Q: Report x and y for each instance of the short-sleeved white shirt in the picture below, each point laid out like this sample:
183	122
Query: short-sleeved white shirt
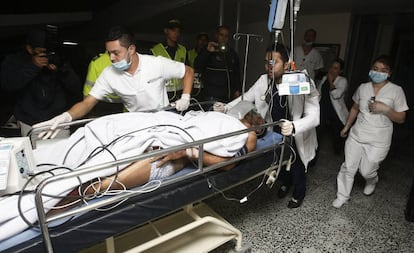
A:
145	89
313	60
376	128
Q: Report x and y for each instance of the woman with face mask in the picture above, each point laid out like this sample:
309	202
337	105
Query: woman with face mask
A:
377	104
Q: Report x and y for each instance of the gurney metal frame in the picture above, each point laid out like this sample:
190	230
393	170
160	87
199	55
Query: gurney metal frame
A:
44	221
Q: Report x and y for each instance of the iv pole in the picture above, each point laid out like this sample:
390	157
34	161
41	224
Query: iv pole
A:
237	36
293	10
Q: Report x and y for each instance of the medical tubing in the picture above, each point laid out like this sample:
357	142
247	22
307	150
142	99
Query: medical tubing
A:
99	149
100	194
70	148
90	169
211	184
215	188
198	104
263	177
23	191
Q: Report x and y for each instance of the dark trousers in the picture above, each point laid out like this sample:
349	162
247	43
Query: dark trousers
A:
174	95
296	177
332	126
409	209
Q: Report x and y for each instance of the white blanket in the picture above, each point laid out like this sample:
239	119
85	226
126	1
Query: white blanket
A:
134	132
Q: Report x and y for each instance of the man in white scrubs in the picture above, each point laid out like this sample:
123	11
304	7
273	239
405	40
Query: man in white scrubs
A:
139	80
377	104
307	57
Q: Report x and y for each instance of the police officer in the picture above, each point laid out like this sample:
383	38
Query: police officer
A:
171	49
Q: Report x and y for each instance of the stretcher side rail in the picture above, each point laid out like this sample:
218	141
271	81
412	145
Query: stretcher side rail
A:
43	221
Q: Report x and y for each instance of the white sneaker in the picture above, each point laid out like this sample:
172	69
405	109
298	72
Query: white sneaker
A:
370	187
338	203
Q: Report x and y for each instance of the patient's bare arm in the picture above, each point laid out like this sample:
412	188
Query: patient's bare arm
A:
138	173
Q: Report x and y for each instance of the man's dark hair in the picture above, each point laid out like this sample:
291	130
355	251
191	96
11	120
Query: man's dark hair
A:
125	37
340	62
222	27
281	49
37	38
311	30
202	34
384	59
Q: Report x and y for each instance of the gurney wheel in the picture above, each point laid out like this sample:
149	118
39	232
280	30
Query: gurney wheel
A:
246	248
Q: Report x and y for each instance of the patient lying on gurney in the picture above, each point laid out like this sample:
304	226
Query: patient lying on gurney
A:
156	168
125	135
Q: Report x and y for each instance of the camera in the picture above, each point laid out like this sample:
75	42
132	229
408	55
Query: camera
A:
54	58
221	47
53	45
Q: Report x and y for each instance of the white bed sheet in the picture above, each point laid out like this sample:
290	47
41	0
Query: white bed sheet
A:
198	125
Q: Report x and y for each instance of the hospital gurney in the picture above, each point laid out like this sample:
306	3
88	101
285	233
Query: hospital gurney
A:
90	227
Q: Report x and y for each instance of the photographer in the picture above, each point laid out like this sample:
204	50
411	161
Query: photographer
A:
43	84
220	68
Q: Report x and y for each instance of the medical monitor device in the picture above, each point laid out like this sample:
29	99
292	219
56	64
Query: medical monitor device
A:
294	83
277	14
16	163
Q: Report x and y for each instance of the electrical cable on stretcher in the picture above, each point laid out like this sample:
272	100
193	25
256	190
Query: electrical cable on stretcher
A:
116	137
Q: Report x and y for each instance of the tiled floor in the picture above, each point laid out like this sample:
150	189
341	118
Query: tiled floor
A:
365	224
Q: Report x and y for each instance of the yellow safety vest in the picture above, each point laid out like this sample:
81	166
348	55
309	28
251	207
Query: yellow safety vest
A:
180	55
95	68
192	54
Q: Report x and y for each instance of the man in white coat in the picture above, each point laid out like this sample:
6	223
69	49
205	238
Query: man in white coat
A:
300	114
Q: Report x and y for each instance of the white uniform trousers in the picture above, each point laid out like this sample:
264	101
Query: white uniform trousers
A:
360	156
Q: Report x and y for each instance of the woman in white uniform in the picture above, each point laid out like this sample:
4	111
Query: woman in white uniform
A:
377	104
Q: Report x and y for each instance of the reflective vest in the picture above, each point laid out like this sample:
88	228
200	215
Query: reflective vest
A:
192	54
95	68
180	55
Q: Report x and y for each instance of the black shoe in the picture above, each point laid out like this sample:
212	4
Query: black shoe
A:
409	215
293	203
282	192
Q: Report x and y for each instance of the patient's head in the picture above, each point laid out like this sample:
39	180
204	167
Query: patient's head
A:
252	119
246	112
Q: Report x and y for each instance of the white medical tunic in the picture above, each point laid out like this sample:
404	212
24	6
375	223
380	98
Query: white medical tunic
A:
303	109
313	60
376	128
145	89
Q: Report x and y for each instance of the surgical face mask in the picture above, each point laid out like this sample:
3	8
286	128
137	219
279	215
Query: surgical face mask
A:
377	77
307	43
122	65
